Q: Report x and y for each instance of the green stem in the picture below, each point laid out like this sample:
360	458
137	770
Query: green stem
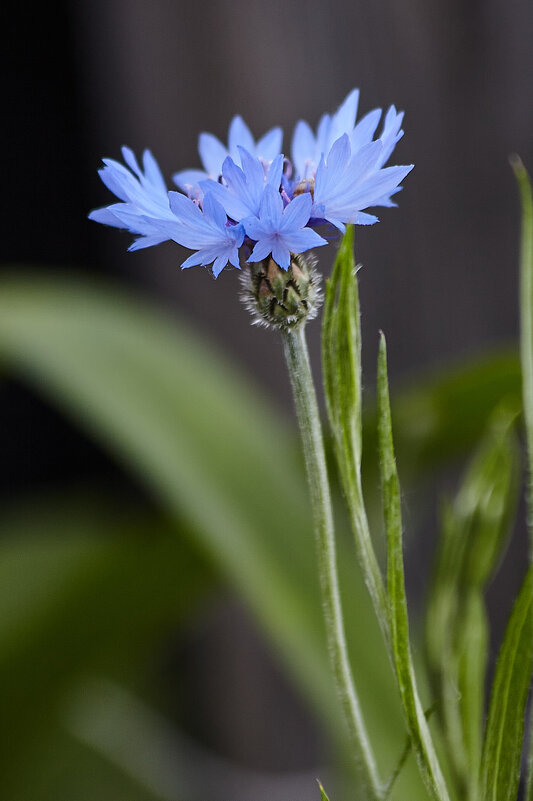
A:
297	357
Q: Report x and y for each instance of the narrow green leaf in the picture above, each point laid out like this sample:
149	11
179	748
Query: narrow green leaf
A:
472	653
414	712
487	500
323	794
526	316
442	417
526	361
341	365
502	746
475	533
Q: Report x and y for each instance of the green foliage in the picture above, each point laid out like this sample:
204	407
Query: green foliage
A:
526	359
209	449
526	317
475	533
341	367
503	743
416	721
84	591
323	794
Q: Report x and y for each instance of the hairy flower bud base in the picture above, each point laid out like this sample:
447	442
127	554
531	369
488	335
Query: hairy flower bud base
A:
279	298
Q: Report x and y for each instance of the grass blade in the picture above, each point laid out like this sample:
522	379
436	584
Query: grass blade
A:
341	365
502	747
475	533
414	713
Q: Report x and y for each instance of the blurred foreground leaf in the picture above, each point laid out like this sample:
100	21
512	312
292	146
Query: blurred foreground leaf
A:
185	421
475	534
83	588
175	412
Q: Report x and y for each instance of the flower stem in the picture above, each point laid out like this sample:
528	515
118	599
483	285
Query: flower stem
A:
297	357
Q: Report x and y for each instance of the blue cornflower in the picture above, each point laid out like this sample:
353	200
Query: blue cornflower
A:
250	194
243	188
145	198
346	184
205	230
281	231
309	148
213	153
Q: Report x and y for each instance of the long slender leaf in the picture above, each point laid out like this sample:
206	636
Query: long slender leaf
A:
414	712
341	366
526	315
526	360
503	743
441	417
475	533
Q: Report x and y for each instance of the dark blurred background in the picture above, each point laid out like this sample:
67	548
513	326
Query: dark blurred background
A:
440	272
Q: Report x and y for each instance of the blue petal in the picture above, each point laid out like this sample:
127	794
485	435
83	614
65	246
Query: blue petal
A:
261	250
269	146
275	171
212	153
297	213
106	217
343	120
303	148
214	211
256	229
365	219
152	172
271	208
365	129
129	157
281	254
305	239
239	136
146	242
219	264
184	208
188	179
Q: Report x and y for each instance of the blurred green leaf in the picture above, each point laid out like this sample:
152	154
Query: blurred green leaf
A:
503	742
83	587
178	414
184	420
441	417
416	721
526	317
475	534
526	358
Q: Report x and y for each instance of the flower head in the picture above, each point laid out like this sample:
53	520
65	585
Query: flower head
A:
249	195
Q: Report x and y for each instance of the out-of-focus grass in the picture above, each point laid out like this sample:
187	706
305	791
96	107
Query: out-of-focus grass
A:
83	595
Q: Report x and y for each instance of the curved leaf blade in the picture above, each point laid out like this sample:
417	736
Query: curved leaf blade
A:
502	747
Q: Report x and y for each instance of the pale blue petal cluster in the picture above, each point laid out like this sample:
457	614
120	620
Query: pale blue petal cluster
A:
144	198
281	231
213	153
249	194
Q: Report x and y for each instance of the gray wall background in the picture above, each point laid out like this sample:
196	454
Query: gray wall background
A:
440	273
